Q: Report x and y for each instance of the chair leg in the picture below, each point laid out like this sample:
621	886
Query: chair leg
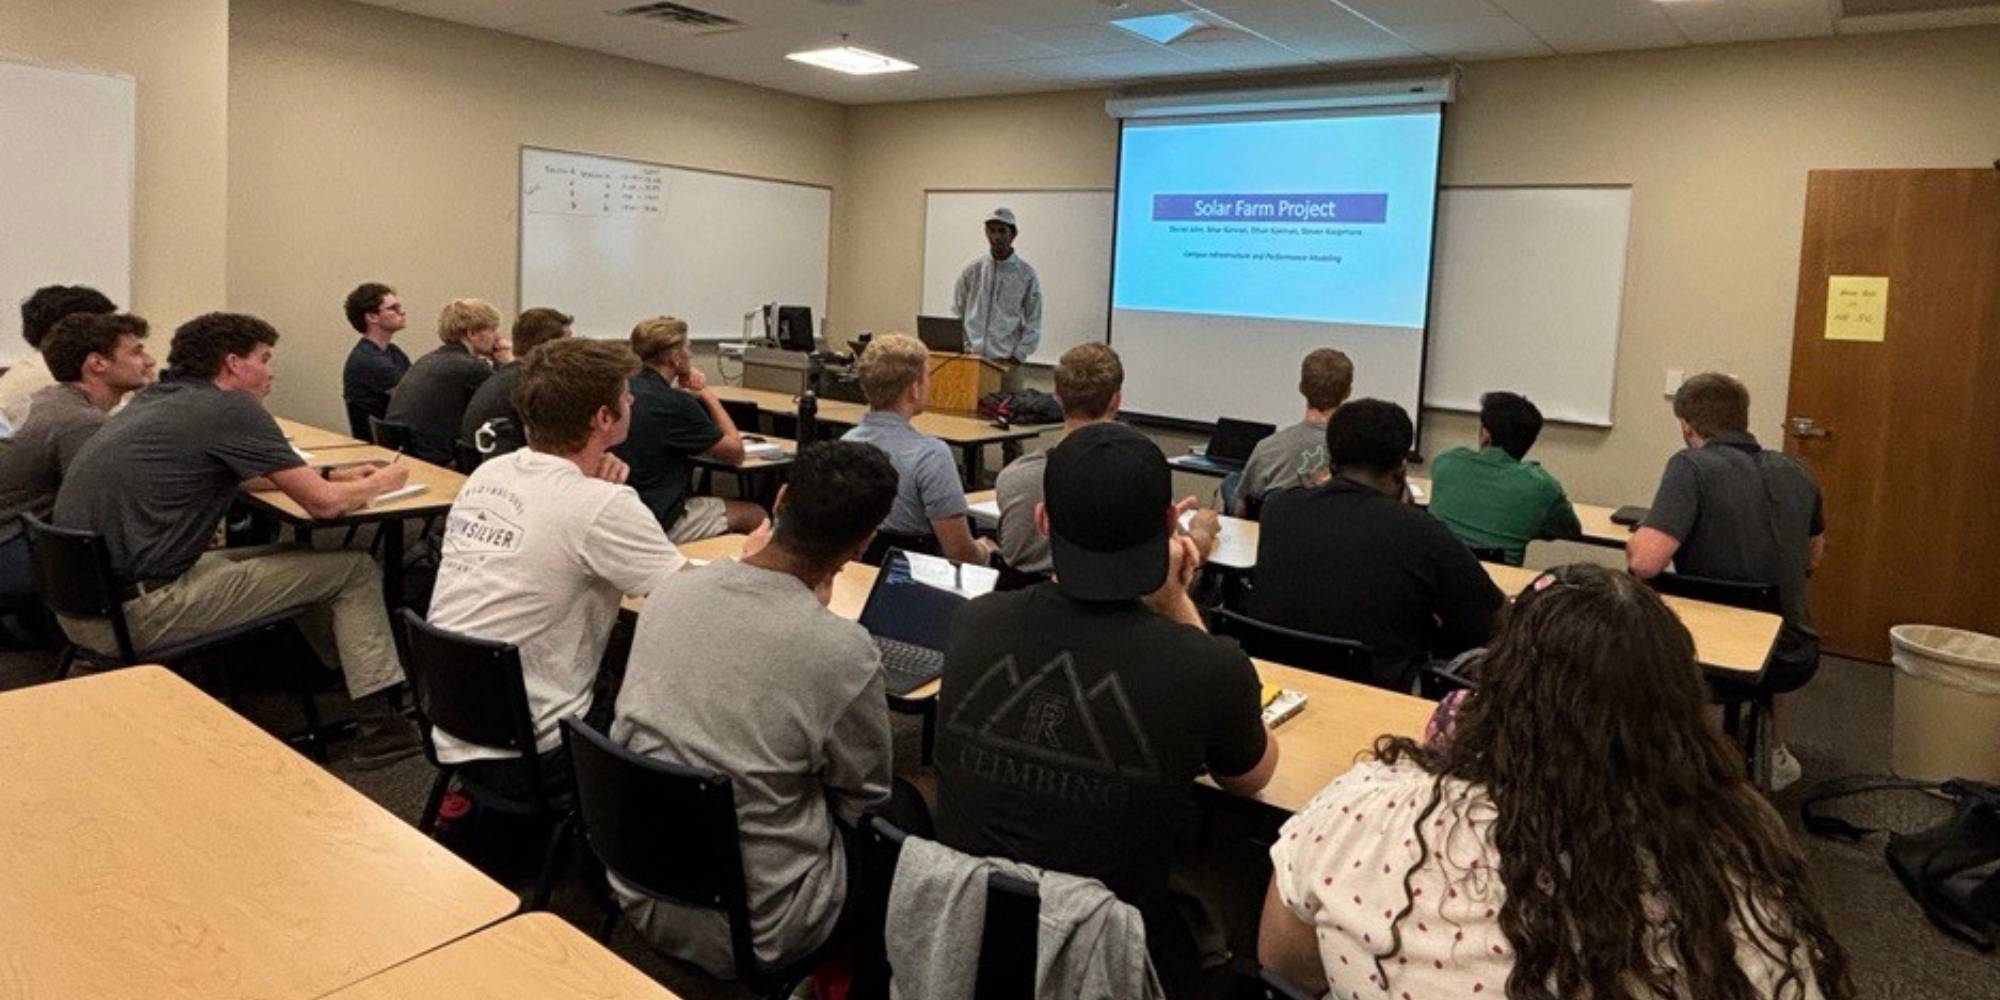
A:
66	662
427	823
545	883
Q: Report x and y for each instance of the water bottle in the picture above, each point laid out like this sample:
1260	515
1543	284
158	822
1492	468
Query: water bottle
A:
808	418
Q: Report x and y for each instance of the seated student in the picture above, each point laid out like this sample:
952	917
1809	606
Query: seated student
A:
159	476
675	417
95	360
1296	455
739	668
1090	384
432	398
1494	497
494	399
1349	559
930	503
39	314
543	542
375	364
1582	831
1730	510
1075	715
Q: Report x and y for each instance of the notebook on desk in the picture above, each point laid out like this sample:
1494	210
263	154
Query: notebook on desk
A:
909	611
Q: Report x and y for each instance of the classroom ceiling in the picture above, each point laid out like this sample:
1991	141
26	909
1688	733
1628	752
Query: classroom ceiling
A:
976	47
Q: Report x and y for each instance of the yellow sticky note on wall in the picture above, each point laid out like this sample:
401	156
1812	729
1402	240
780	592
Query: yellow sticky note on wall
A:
1856	306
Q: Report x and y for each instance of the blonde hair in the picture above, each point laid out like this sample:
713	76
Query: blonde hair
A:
461	318
1087	376
892	362
653	338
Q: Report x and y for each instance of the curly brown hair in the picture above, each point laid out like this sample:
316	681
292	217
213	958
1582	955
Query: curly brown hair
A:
1633	848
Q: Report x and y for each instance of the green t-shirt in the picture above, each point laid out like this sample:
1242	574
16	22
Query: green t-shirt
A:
1493	500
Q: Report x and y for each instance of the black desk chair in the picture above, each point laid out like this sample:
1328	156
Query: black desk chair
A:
73	573
1345	659
1491	554
743	413
886	540
473	689
1732	694
389	433
466	457
357	421
669	831
1008	942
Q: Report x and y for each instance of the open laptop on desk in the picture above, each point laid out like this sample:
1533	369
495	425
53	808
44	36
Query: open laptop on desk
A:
942	333
1230	446
909	613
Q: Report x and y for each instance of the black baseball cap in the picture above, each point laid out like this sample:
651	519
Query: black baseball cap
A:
1107	489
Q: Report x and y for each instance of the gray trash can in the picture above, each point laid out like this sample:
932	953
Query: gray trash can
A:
1947	703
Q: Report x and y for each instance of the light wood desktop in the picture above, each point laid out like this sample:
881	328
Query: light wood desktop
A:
441	486
306	437
967	432
154	845
1339	721
534	956
787	450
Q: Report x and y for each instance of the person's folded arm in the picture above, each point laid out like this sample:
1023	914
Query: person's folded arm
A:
1649	552
1253	781
728	448
954	535
1287	945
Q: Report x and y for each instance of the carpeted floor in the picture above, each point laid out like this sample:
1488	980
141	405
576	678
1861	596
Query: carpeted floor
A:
1838	725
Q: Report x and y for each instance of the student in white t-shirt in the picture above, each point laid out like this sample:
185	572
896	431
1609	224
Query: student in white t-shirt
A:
543	542
1581	824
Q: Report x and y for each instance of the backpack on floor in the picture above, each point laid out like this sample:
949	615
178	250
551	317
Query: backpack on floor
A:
1952	869
1024	406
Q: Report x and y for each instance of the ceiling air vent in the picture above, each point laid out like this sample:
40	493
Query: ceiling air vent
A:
681	18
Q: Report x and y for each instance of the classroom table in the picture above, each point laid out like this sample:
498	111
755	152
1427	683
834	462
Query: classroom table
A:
966	432
534	956
1340	719
155	845
759	474
306	437
441	486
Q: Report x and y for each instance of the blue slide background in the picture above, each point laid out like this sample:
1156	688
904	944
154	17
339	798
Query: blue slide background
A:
1383	278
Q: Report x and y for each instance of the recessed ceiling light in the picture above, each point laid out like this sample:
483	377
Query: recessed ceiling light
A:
852	60
1164	29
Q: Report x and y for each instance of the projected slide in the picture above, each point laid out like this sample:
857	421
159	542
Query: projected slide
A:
1267	237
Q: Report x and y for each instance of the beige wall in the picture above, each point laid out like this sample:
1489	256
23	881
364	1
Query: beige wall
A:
1716	142
178	52
371	145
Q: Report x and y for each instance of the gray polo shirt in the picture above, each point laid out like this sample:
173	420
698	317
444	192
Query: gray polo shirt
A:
159	476
927	484
60	419
1747	514
740	670
1291	457
1017	491
432	398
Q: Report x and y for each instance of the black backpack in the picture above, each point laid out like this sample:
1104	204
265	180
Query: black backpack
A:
1952	869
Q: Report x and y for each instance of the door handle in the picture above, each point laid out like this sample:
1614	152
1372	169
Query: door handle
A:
1805	427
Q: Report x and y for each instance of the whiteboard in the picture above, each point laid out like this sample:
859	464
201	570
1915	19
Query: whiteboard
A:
612	241
66	182
1065	236
1527	295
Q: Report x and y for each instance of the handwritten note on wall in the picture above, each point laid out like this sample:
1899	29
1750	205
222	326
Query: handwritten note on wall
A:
1856	306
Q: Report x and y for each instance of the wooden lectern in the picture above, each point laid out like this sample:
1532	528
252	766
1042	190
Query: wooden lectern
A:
959	380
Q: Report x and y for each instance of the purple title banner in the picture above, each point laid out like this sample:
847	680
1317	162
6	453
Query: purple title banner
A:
1271	208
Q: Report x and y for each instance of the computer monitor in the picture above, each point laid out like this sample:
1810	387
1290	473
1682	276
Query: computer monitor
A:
794	328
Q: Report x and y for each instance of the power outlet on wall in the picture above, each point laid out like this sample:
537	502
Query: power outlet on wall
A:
1675	377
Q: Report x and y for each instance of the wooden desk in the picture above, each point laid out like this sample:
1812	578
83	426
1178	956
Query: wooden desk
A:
306	437
154	845
441	486
1340	720
531	957
968	433
1598	528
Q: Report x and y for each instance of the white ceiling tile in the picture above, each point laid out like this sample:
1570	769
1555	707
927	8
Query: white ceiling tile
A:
1748	20
1397	13
1029	15
503	13
1489	37
1597	25
1355	47
988	48
1920	21
1280	18
1239	53
1087	39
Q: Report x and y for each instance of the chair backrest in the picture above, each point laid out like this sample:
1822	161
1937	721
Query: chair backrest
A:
665	829
1489	554
886	540
357	421
470	688
1007	942
1321	654
743	413
1734	593
466	456
74	576
389	433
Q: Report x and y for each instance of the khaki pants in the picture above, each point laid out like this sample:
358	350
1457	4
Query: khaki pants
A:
341	592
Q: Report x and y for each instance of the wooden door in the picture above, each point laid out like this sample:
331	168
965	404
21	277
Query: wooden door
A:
1903	434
